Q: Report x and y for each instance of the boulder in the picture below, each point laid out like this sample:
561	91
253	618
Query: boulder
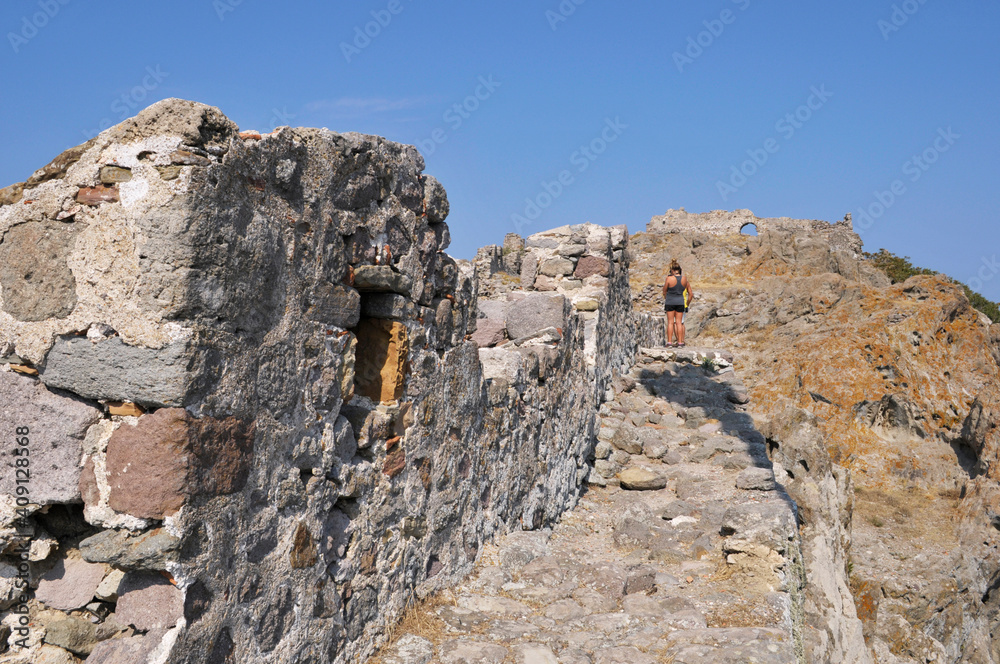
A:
640	479
588	266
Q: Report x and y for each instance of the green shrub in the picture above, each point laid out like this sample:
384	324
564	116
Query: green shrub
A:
899	269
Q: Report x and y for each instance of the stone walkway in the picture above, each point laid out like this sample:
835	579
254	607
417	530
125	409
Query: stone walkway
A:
682	549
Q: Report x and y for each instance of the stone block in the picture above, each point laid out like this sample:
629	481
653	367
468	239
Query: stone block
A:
462	651
146	600
148	465
756	479
73	634
570	250
154	466
528	313
56	426
589	266
115	174
387	305
545	284
380	367
435	200
489	332
529	270
188	158
495	309
96	195
150	550
335	304
380	279
767	524
410	649
70	585
501	363
539	241
303	554
556	267
133	650
115	371
37	281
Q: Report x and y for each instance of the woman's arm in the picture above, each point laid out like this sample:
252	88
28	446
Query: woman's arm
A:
687	285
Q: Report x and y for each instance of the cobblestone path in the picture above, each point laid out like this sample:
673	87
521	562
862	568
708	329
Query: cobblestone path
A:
681	550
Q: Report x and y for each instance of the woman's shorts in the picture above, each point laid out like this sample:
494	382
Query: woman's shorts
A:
677	308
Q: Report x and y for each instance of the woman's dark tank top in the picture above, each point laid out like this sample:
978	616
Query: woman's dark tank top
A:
675	294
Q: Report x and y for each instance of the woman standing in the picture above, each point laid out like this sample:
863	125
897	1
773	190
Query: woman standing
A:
674	303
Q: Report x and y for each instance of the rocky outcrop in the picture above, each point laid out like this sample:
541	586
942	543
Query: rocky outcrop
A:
893	374
824	496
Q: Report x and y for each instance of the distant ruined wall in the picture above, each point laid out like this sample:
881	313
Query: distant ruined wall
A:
840	235
257	425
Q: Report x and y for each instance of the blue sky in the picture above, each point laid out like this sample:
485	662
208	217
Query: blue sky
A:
800	109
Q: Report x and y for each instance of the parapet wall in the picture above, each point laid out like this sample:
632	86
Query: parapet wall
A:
257	424
841	234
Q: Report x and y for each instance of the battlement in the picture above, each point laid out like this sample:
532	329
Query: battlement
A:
840	234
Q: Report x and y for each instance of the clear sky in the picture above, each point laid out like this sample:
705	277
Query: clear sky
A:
571	111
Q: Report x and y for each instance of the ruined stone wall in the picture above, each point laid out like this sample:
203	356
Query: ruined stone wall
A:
257	426
840	235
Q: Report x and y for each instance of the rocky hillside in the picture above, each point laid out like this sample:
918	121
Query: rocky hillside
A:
904	382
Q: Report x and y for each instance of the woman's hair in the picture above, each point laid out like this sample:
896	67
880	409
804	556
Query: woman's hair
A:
674	265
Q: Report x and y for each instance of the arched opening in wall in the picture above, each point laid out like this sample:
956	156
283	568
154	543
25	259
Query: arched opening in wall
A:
749	229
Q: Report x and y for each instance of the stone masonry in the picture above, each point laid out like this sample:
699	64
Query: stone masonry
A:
259	428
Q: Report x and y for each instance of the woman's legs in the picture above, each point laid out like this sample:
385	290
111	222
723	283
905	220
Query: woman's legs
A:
672	329
680	329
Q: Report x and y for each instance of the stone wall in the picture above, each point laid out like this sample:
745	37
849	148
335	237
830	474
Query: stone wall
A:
840	235
257	425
